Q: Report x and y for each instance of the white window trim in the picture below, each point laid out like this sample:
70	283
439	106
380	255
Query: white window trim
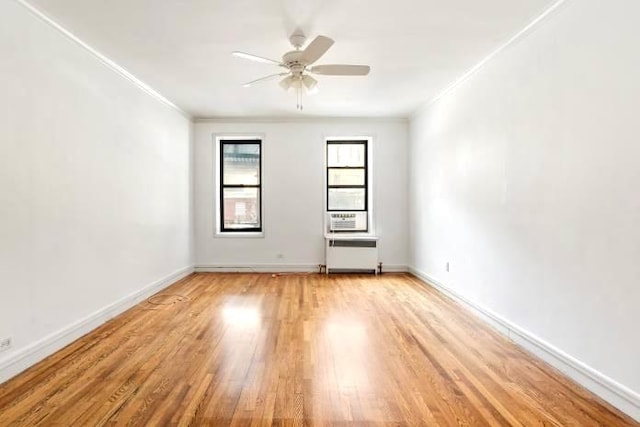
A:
217	232
370	190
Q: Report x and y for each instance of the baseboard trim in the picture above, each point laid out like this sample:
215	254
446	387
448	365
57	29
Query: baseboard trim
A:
618	395
28	356
256	268
395	268
281	268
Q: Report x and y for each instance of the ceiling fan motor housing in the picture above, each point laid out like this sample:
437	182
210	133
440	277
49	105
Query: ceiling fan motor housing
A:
294	62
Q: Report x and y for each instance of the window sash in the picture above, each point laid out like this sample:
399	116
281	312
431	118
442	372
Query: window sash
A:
346	199
347	177
364	168
223	187
355	157
244	207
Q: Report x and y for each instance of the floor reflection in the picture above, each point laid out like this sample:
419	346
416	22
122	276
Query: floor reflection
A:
348	344
236	315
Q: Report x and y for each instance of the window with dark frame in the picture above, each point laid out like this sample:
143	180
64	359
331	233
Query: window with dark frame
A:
347	176
240	185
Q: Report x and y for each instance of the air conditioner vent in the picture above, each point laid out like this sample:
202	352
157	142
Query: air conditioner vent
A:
353	243
347	221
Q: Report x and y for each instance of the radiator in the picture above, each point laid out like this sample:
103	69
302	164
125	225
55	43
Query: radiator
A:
351	253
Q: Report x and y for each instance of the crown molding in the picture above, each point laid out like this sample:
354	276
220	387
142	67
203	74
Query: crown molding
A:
286	119
102	58
473	70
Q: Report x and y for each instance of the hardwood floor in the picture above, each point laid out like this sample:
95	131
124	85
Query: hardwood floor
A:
252	349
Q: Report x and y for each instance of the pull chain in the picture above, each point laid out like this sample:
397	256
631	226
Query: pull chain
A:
299	97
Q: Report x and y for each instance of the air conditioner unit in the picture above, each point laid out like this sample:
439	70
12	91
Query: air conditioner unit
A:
347	221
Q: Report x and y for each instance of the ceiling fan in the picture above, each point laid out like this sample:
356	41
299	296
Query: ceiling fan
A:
299	66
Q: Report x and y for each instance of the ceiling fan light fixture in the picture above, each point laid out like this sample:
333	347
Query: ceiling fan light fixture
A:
297	83
310	83
286	82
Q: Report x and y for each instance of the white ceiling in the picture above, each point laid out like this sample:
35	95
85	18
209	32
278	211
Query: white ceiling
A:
182	48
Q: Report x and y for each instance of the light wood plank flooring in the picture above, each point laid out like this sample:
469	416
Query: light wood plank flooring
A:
252	349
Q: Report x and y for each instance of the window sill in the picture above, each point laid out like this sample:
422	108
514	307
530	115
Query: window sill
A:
239	234
354	235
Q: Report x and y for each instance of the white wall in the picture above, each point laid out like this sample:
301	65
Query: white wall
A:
95	198
293	189
526	179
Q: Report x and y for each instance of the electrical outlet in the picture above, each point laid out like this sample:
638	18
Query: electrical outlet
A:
5	344
448	267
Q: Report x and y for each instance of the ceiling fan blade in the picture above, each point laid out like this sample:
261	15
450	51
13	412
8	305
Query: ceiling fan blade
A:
341	70
256	58
261	79
316	49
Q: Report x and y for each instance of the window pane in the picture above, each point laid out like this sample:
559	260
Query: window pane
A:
241	164
345	155
241	208
346	176
346	199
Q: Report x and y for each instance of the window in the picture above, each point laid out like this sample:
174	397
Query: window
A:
240	185
347	178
